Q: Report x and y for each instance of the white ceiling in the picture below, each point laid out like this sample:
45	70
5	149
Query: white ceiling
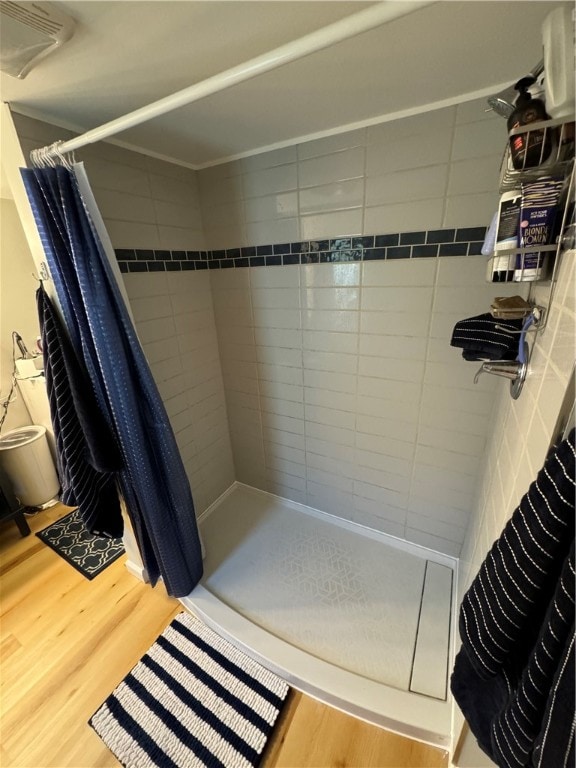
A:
127	54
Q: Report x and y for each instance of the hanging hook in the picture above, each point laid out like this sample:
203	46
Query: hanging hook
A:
60	156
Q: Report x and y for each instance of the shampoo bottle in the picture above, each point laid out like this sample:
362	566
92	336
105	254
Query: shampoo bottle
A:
530	148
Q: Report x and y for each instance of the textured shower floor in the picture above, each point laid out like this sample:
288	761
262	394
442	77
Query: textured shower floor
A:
353	604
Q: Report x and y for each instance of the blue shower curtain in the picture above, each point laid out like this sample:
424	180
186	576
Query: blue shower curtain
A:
153	481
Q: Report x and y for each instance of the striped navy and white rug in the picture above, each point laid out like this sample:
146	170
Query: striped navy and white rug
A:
193	700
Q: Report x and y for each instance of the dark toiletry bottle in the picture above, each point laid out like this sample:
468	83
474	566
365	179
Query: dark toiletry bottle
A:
533	147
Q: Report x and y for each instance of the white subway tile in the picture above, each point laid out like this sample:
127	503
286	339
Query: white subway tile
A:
286	452
346	164
406	186
426	525
330	341
343	298
329	275
215	191
445	459
156	330
397	370
332	197
470	210
562	352
474	402
333	480
280	205
339	223
339	401
225	235
149	308
329	361
269	159
128	234
282	423
270	180
175	190
329	448
277	478
328	464
435	543
398	347
272	231
474	175
139	285
387	497
276	318
330	144
330	381
328	499
280	374
450	440
382	462
279	356
469	271
290	408
404	217
272	277
410	151
383	479
290	392
417	125
386	409
397	299
390	390
330	417
401	272
396	429
377	443
283	438
277	464
181	215
327	432
373	515
278	337
474	111
480	139
330	320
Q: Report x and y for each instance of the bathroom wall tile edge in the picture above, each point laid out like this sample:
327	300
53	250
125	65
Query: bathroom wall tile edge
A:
435	243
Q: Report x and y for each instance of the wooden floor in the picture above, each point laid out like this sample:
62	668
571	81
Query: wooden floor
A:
66	642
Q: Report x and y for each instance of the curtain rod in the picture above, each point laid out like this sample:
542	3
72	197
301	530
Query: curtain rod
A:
315	41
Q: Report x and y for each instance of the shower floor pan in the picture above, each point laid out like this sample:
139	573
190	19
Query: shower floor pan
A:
350	616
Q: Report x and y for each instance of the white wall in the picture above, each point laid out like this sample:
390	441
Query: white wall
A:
17	306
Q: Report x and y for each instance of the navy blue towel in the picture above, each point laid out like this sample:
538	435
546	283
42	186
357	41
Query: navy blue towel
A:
485	337
514	675
88	455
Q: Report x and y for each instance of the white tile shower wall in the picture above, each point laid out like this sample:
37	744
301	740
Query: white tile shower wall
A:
424	172
342	389
343	392
146	203
174	318
149	204
521	429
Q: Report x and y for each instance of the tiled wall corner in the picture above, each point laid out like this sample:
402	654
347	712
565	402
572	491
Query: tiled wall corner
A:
343	392
174	317
146	203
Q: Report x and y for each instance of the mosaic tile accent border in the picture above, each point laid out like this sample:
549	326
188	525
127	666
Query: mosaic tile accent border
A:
403	245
